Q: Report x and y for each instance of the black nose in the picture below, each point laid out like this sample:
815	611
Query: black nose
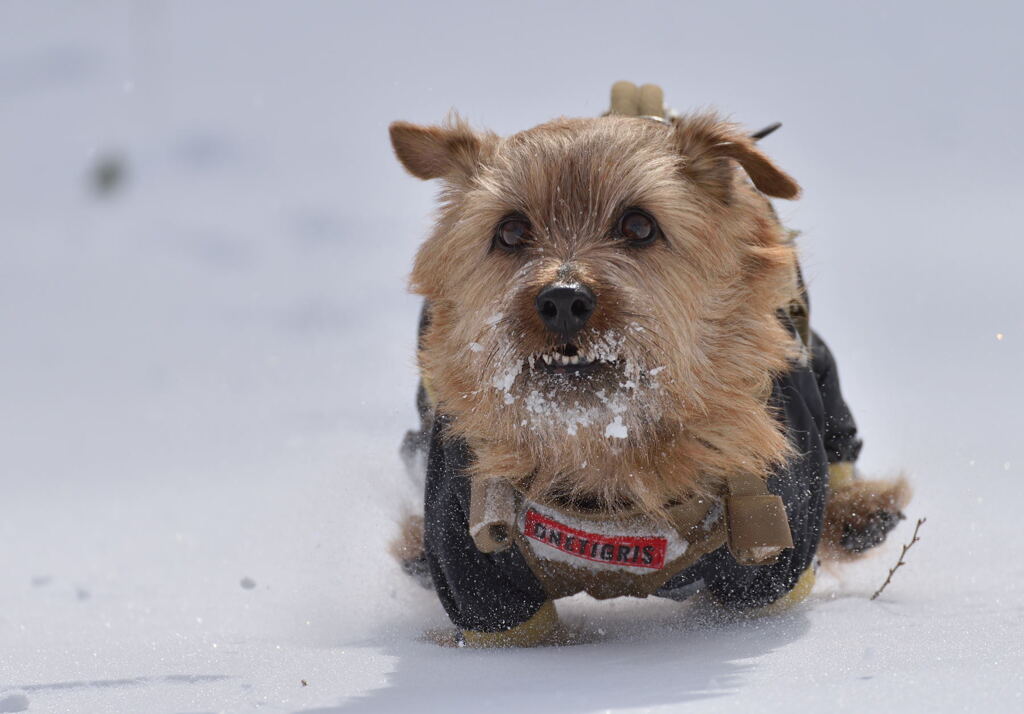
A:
565	308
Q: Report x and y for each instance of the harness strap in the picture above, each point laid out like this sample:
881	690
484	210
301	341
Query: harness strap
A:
756	521
758	529
492	513
633	101
493	507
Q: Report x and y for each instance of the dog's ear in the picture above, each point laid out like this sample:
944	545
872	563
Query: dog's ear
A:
708	145
446	151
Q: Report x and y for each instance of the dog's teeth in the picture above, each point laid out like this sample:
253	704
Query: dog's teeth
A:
547	358
575	359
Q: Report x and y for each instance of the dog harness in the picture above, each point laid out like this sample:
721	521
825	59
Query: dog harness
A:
571	551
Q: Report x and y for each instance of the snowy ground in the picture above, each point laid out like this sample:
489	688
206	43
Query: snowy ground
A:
204	375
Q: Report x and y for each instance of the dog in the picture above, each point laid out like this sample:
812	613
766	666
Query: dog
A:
620	391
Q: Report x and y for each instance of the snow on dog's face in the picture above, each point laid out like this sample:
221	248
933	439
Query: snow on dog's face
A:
602	296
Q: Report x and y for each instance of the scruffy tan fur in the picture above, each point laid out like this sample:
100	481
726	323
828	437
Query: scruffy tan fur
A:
690	319
853	507
408	544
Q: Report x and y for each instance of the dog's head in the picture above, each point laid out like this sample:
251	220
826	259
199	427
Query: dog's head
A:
603	297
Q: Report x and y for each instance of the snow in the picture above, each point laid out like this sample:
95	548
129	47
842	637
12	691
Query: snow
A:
207	367
13	701
616	429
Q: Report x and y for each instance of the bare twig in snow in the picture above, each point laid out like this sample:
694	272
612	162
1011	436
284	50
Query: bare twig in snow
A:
906	547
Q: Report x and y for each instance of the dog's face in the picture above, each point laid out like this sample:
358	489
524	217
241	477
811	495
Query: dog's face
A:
600	291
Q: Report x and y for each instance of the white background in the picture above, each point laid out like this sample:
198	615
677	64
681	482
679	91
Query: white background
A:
205	375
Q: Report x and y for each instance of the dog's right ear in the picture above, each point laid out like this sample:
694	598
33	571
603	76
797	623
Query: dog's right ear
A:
428	152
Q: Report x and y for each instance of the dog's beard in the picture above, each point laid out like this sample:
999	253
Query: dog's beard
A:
605	386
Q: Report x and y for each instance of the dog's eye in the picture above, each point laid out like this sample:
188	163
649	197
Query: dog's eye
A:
512	233
637	227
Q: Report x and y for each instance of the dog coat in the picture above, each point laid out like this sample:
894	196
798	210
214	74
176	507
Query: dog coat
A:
555	552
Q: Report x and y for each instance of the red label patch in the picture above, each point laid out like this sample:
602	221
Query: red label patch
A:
632	551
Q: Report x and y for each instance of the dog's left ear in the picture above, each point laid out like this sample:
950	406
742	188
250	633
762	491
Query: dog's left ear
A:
451	150
709	144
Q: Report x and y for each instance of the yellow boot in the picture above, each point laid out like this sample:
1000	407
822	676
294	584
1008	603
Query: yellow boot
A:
535	631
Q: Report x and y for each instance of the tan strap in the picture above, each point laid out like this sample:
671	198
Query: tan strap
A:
691	515
633	101
757	525
758	528
652	101
801	320
625	99
492	513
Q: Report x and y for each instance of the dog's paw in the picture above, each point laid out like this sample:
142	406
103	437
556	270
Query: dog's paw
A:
418	569
561	636
861	514
871	532
544	629
407	549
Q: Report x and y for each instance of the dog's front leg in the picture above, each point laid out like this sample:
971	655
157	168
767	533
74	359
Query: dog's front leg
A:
493	598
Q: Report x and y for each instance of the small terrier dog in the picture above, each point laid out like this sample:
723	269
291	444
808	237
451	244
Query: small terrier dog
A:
620	393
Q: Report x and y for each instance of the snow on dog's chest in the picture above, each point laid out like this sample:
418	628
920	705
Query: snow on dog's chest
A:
636	545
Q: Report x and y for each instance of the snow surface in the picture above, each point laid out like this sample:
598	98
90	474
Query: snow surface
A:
205	373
